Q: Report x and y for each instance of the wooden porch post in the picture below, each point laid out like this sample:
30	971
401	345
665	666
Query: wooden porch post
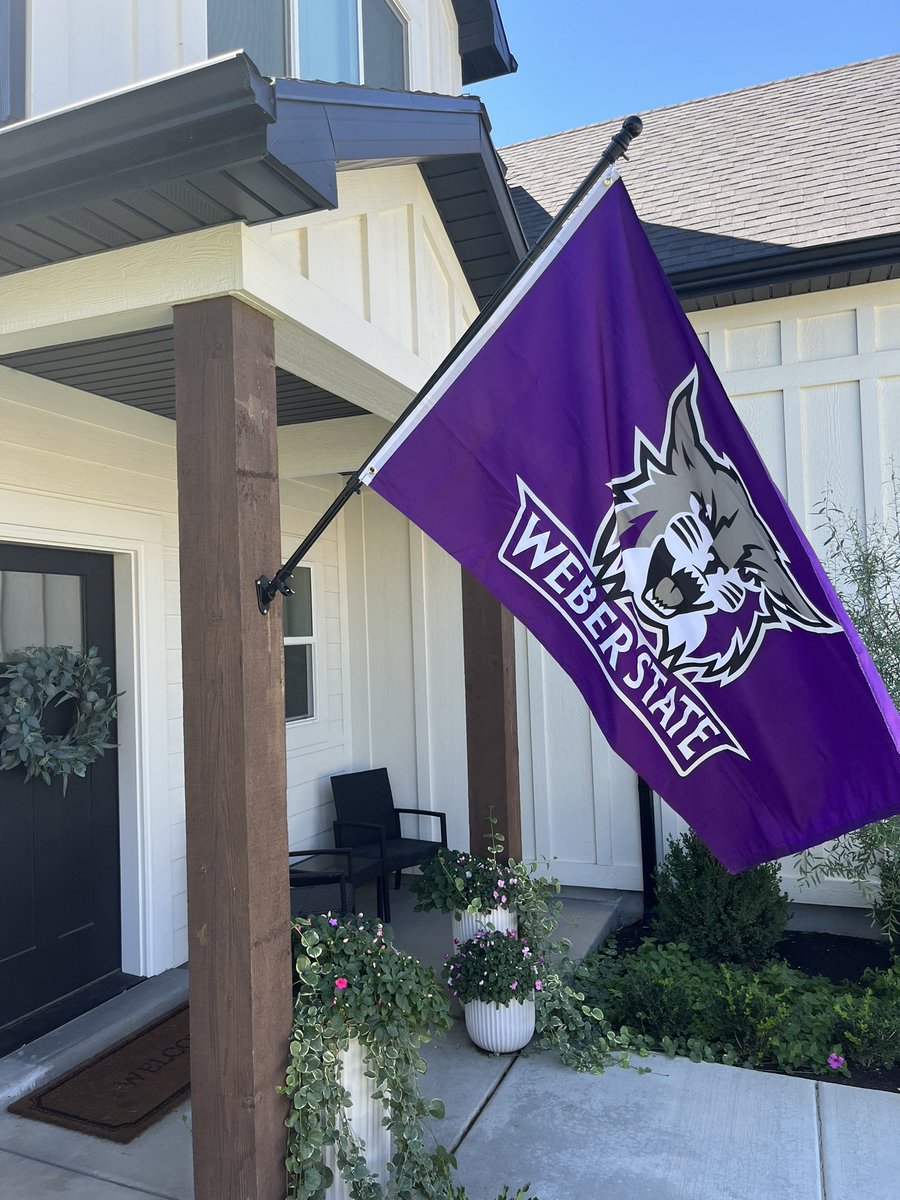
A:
491	725
238	902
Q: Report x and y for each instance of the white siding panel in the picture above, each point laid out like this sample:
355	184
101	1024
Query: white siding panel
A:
829	335
887	327
753	346
763	417
832	451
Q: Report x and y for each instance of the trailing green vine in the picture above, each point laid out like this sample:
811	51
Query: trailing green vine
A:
47	676
351	982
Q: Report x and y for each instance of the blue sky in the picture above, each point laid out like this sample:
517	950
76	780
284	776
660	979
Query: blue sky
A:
591	59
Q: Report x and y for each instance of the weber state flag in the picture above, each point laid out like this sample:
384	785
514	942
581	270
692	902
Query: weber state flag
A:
582	459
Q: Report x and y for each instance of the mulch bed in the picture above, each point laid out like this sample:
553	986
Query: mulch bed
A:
835	956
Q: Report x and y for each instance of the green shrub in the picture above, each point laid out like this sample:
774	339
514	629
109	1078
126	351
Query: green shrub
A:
662	998
871	1019
727	918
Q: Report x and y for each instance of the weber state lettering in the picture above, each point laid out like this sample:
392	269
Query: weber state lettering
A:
540	550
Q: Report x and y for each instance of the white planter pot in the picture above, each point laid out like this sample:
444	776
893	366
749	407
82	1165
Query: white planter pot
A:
366	1116
469	923
500	1028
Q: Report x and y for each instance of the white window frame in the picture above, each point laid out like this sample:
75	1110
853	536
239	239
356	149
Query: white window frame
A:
293	33
308	641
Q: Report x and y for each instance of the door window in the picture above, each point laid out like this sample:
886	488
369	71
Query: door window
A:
40	610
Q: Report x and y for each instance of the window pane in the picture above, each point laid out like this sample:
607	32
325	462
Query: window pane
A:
298	682
384	46
298	608
39	610
329	43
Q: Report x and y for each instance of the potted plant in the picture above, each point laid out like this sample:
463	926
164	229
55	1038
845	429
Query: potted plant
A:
362	1009
496	976
488	892
478	891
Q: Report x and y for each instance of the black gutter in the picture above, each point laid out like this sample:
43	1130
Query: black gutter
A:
806	263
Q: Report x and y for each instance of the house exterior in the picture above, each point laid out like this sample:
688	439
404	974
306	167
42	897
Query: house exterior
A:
780	232
183	204
182	216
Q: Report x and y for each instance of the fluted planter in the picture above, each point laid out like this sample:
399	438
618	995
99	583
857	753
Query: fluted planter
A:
366	1117
468	924
500	1028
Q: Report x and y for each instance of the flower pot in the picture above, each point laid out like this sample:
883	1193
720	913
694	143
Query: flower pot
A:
468	924
366	1117
500	1028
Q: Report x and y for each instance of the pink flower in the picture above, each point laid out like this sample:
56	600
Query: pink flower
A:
502	899
537	985
495	895
835	1061
513	985
340	983
332	920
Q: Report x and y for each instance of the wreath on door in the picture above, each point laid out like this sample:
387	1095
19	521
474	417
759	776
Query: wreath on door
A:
44	677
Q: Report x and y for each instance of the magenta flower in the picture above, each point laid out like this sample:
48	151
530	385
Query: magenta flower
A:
341	983
537	985
332	920
513	985
836	1061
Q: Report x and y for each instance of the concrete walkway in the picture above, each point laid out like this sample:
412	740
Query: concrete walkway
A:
684	1131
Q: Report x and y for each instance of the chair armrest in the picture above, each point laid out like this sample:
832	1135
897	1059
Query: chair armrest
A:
340	826
427	812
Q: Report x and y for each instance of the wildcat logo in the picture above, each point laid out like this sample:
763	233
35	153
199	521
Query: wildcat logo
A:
686	550
683	581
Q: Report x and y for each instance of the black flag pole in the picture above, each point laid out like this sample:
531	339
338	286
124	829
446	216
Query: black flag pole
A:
267	589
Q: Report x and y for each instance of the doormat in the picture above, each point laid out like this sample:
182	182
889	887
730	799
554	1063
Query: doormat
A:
122	1091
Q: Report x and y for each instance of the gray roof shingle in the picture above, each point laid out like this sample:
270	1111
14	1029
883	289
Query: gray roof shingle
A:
808	161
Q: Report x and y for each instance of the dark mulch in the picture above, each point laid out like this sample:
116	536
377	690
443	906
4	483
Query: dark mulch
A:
835	956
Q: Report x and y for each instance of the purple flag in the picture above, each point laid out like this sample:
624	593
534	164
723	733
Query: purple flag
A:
582	459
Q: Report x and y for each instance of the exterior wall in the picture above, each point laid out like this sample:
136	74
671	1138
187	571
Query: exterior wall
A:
83	48
408	688
383	258
109	484
816	380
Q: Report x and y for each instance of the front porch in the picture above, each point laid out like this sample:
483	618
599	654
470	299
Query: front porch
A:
685	1131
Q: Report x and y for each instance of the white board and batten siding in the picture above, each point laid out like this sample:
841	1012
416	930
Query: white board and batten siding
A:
816	381
80	49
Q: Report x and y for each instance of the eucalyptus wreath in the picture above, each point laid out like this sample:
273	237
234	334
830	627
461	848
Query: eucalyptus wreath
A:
47	676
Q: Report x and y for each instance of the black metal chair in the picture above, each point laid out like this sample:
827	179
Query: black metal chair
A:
329	884
368	822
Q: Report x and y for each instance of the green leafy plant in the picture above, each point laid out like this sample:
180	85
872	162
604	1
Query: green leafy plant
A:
351	982
662	997
494	967
42	677
455	881
730	918
863	560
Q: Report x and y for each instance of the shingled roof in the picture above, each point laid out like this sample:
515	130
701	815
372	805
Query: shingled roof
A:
747	193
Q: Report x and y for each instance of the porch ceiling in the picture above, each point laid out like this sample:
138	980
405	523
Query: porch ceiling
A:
220	143
139	369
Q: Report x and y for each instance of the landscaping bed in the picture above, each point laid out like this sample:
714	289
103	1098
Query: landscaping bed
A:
715	977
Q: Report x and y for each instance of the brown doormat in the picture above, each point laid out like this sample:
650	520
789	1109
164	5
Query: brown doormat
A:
123	1090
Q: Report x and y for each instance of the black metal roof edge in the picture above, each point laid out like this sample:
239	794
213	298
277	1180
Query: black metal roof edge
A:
792	265
349	122
168	127
483	46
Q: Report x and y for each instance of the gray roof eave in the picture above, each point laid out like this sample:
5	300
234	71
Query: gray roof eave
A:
220	143
789	267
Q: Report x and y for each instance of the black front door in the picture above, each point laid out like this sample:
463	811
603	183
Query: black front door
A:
59	855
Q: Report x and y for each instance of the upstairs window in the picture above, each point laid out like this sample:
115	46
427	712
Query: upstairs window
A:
299	648
351	41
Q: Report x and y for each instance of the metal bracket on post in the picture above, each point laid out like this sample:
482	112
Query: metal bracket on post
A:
267	589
